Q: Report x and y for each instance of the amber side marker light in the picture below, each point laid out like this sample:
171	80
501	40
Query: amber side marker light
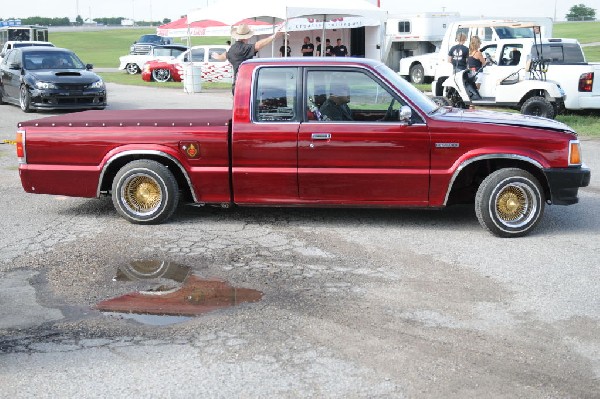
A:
21	146
574	153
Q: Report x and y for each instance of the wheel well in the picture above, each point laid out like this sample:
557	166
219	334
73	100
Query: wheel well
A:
468	180
114	167
534	93
439	89
413	64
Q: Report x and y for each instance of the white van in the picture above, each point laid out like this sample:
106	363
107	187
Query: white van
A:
16	44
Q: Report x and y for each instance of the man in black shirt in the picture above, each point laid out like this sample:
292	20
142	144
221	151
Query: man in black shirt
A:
340	50
307	48
458	53
241	50
328	48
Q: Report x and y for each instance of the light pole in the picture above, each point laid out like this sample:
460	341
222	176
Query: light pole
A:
555	1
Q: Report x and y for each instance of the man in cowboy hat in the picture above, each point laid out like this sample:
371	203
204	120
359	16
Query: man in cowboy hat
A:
241	50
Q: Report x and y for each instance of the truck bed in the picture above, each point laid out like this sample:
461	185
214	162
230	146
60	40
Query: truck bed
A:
137	117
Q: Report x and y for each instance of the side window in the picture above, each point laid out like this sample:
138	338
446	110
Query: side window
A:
351	96
12	57
489	51
488	34
197	55
275	95
218	50
404	27
511	54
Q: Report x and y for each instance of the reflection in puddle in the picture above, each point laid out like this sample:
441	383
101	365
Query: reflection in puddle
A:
187	295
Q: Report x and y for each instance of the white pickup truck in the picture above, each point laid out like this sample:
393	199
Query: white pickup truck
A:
563	62
133	63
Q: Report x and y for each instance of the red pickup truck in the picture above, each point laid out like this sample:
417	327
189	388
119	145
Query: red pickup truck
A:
318	132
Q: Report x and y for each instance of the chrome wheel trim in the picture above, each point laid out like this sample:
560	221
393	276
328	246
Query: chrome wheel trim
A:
141	194
514	205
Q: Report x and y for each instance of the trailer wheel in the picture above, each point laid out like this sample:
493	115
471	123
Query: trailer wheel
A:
145	192
538	106
417	74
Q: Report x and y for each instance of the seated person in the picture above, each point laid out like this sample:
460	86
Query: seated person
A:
335	108
515	57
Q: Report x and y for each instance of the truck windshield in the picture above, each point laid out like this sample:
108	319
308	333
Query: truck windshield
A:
507	32
408	90
150	39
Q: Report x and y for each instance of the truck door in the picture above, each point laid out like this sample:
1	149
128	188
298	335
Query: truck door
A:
353	148
264	151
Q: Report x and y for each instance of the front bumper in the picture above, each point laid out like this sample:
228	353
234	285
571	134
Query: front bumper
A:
68	99
565	182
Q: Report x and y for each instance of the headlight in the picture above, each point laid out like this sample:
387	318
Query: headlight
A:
99	84
45	85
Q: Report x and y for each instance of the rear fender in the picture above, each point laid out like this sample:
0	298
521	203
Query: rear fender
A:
116	158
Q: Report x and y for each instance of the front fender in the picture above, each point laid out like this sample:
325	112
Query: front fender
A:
484	154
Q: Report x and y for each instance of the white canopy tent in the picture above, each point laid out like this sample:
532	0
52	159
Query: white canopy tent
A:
274	12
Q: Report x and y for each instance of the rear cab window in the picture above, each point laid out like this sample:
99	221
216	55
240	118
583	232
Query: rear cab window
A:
275	94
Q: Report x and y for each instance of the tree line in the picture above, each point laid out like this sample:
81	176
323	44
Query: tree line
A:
43	21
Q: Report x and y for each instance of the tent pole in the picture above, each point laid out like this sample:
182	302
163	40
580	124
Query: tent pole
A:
323	37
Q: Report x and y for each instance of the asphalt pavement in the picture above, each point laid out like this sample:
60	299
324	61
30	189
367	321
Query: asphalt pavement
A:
357	303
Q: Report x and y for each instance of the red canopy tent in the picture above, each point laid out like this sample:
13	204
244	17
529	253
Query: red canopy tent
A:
180	28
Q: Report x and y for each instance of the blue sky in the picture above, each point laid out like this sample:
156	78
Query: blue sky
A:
159	9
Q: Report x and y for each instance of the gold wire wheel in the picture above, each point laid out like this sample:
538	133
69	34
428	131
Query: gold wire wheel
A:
142	194
515	205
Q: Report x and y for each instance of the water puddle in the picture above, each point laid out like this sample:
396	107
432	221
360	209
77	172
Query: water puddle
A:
174	294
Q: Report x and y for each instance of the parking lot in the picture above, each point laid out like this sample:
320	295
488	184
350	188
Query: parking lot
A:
355	302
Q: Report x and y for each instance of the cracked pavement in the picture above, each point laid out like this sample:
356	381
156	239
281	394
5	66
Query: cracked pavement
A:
357	302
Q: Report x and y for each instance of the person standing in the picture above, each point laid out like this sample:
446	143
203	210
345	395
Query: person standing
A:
340	50
328	48
308	48
241	50
282	50
457	55
318	41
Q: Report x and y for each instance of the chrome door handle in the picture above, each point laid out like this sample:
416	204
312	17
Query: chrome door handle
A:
321	136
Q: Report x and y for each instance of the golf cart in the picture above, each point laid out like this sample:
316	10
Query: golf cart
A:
508	79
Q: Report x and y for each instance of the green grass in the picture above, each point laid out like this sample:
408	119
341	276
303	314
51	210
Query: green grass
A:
592	53
136	80
585	123
585	32
104	47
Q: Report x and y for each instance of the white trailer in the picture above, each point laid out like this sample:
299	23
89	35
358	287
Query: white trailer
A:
408	35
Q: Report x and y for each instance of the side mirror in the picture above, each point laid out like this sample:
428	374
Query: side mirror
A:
14	66
2	54
405	114
89	67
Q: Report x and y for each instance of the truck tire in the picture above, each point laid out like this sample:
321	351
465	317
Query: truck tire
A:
145	192
132	68
25	99
417	74
161	75
538	106
509	202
